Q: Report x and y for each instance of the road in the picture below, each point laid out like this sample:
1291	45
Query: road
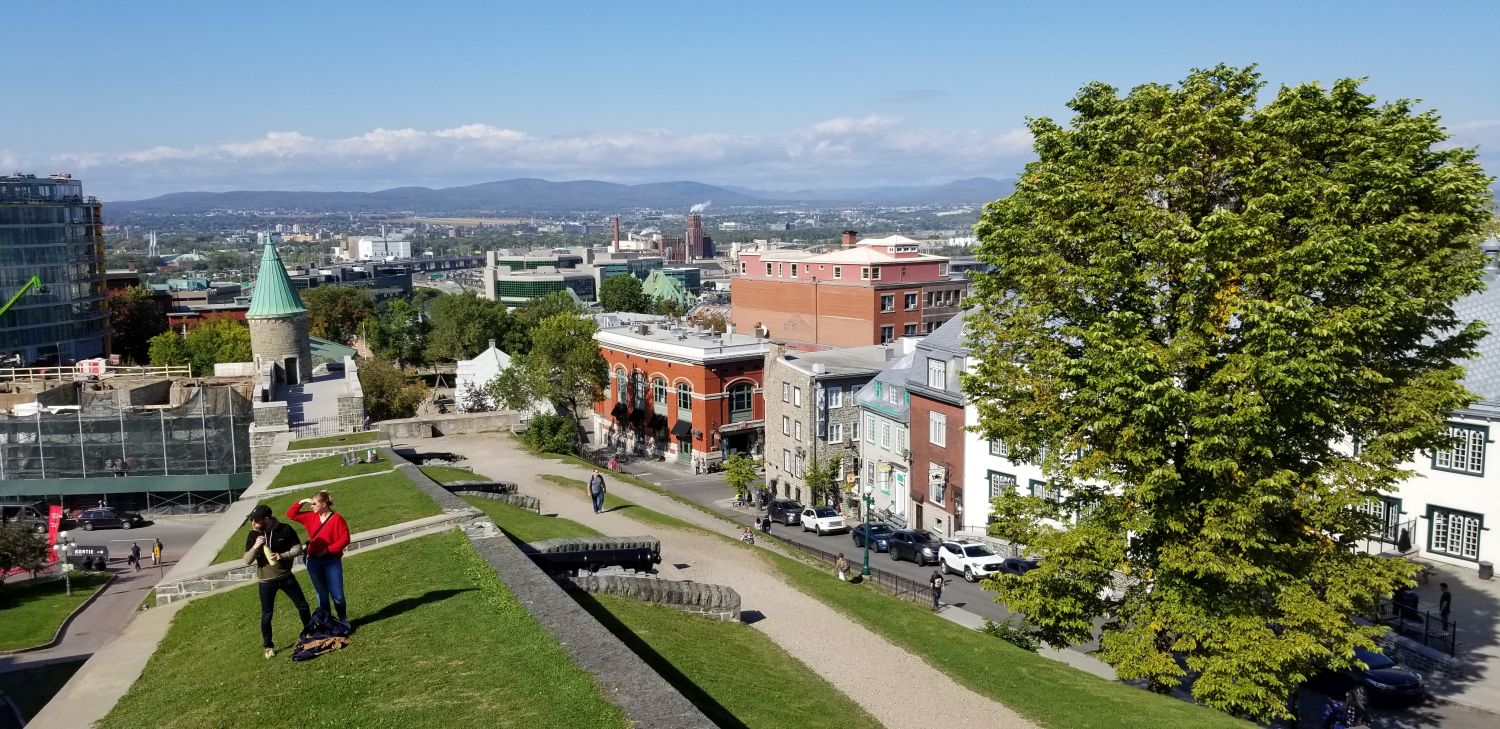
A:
710	491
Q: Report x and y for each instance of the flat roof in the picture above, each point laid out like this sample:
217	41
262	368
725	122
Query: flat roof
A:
866	360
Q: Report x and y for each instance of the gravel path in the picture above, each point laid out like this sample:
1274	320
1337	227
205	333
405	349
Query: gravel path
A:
896	687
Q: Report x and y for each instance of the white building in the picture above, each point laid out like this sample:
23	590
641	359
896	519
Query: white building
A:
884	449
393	245
474	374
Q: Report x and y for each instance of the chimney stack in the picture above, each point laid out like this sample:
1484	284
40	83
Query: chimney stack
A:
616	246
850	237
694	242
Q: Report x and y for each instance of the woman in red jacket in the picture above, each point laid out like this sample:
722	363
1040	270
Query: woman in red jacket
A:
327	536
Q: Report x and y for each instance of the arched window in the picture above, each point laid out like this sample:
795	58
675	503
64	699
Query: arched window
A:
640	390
741	402
685	402
620	385
659	396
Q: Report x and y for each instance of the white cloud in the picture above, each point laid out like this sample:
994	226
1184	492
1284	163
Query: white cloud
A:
869	150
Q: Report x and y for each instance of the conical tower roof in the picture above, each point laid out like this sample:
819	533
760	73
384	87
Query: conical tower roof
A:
274	296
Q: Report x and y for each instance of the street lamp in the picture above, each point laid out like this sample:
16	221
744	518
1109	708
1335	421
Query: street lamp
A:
869	499
66	547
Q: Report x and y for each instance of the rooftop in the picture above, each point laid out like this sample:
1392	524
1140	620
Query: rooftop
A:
274	295
685	342
845	361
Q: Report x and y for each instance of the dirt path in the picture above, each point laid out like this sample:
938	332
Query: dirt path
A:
896	687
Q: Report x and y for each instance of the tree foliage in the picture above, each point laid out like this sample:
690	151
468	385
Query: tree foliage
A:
822	478
463	325
623	293
564	366
518	339
20	549
134	318
548	433
1195	301
335	313
212	342
399	334
388	394
740	474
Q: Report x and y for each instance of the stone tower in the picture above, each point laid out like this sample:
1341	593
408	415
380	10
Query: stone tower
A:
278	321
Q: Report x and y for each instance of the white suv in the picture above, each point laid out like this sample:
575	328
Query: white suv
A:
971	559
823	520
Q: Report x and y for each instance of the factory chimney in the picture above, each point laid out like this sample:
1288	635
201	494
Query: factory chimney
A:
694	242
616	246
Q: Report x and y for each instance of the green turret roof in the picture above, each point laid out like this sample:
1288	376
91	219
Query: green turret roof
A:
274	296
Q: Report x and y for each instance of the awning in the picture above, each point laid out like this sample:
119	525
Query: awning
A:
619	411
682	429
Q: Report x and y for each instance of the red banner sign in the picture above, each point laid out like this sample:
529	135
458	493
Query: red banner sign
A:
54	523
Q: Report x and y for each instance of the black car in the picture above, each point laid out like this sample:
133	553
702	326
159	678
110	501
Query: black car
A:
108	517
1384	681
915	545
1017	566
880	535
786	511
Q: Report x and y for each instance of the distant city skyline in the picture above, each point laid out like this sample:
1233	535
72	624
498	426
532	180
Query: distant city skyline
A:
140	100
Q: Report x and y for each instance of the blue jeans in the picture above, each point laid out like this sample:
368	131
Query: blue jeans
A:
598	502
327	575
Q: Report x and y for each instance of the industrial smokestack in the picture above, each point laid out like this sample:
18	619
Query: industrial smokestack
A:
616	246
694	242
850	237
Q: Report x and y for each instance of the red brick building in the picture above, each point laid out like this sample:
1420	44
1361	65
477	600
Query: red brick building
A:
937	430
869	292
678	391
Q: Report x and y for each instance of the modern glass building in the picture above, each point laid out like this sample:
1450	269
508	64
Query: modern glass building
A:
50	231
519	288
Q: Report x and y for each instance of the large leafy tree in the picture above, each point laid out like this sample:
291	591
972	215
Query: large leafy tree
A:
212	342
335	313
518	339
1196	302
564	366
463	325
388	393
623	293
134	318
399	334
20	549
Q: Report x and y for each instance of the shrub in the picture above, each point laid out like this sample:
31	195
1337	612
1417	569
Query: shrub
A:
551	434
1015	632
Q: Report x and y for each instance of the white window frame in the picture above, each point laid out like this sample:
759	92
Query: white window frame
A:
887	333
838	271
835	432
886	308
1454	532
797	430
885	434
937	373
786	460
835	397
796	397
910	301
937	429
786	425
870	429
998	448
854	431
768	269
943	269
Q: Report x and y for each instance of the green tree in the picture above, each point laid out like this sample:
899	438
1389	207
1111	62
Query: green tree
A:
518	339
169	349
134	318
215	341
399	334
1194	302
335	313
623	293
564	366
822	478
19	549
739	473
388	394
666	307
463	325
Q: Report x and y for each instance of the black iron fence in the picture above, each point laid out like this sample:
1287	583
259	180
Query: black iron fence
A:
896	585
1423	626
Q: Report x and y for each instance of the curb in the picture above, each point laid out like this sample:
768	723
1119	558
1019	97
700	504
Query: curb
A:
1492	711
58	636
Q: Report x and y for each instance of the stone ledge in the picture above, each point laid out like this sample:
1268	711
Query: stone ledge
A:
529	503
719	602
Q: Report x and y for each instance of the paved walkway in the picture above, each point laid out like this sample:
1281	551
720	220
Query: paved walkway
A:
829	643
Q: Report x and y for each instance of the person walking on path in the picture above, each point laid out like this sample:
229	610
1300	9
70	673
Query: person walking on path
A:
936	581
327	536
842	566
135	556
271	546
596	490
156	549
1445	603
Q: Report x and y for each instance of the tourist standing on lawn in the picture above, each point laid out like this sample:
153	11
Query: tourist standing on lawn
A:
596	490
327	536
841	565
271	546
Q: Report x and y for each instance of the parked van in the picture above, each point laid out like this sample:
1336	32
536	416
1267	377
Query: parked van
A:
31	515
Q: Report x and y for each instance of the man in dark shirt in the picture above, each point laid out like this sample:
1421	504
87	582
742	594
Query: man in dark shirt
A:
271	546
1445	603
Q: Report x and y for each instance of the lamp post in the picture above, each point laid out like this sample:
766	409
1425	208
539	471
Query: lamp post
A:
869	499
66	547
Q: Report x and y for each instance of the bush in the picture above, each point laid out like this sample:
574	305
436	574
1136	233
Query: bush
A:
1015	632
551	434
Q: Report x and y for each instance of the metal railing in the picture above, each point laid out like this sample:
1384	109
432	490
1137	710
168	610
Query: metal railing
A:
71	372
1423	626
896	585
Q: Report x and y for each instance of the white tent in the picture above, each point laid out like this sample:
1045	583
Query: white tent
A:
476	373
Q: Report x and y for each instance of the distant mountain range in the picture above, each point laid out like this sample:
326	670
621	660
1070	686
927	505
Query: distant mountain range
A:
534	195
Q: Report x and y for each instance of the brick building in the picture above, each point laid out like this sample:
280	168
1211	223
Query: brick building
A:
679	391
811	412
937	429
869	292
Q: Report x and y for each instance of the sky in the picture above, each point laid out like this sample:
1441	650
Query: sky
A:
140	99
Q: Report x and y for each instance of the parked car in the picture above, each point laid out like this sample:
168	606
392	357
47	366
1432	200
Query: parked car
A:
107	516
879	534
823	521
1384	681
786	511
971	559
33	516
914	544
1018	565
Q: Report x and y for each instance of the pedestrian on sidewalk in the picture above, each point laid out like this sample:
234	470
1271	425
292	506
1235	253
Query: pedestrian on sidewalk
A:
135	556
327	537
596	490
1445	603
271	546
156	549
841	565
936	581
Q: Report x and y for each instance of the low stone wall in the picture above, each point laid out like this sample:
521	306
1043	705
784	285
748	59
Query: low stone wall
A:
1416	656
430	426
529	503
308	454
590	544
713	601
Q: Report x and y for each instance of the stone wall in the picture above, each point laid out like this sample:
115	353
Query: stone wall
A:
529	503
274	340
429	426
1416	656
262	443
352	402
713	601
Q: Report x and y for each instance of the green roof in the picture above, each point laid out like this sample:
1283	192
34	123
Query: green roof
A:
326	351
274	296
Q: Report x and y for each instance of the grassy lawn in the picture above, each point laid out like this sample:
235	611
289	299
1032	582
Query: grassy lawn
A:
1040	689
322	469
627	478
527	526
449	474
31	688
328	441
632	510
31	613
366	503
731	671
435	647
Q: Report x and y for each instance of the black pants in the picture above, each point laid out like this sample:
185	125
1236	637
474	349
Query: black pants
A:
268	590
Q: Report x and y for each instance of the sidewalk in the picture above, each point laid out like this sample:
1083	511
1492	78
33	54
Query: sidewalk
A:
90	694
1476	609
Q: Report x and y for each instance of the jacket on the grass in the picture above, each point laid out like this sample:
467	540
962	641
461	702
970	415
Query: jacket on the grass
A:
283	541
331	540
